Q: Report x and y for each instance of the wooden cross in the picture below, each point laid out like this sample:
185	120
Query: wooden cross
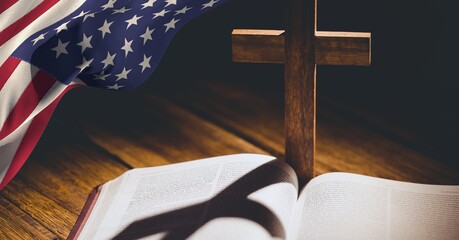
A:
301	47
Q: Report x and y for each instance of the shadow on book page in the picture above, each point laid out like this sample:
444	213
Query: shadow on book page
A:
256	205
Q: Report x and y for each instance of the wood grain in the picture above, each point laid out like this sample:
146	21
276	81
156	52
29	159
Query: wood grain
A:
300	87
252	110
250	104
42	208
162	133
427	136
17	224
331	48
258	46
343	48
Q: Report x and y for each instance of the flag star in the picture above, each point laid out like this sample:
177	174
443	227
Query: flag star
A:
182	11
171	24
121	10
115	87
101	76
209	4
147	35
105	28
85	43
109	4
160	14
149	3
88	16
145	63
109	60
60	48
132	21
123	74
62	27
40	37
84	64
171	2
82	13
127	47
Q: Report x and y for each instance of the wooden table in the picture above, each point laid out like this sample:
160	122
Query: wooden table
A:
95	136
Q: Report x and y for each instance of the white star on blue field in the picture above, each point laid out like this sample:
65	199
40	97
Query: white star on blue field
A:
111	44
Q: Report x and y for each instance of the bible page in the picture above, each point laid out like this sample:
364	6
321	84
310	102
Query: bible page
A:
351	206
243	196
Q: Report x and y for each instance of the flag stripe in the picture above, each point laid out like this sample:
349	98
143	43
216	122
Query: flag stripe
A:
60	10
9	150
52	94
6	4
7	68
31	138
20	24
28	101
17	11
14	88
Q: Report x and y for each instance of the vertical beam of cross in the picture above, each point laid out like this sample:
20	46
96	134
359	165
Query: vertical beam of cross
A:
300	87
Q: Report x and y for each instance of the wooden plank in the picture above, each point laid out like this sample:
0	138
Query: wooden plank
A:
16	224
332	48
343	48
53	185
250	103
258	46
155	132
42	208
397	111
351	147
245	106
300	87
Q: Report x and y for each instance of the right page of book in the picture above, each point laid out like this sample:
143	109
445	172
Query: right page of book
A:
351	206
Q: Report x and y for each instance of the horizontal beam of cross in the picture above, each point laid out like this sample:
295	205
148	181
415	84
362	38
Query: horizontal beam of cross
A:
332	48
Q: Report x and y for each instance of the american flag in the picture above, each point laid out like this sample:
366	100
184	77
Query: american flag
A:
48	47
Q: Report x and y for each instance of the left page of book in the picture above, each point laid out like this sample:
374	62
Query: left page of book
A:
242	196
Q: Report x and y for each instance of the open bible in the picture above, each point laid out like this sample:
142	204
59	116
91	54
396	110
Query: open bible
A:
251	196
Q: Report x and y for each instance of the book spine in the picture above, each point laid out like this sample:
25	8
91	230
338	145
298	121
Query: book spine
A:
85	212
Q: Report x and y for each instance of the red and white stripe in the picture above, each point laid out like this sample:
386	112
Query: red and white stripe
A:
28	96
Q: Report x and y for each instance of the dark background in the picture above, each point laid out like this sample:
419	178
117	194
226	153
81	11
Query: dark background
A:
414	43
413	40
411	86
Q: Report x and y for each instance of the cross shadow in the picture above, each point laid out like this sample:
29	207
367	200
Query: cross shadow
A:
232	201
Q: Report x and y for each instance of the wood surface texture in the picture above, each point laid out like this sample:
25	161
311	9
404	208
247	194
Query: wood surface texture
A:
331	48
300	87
